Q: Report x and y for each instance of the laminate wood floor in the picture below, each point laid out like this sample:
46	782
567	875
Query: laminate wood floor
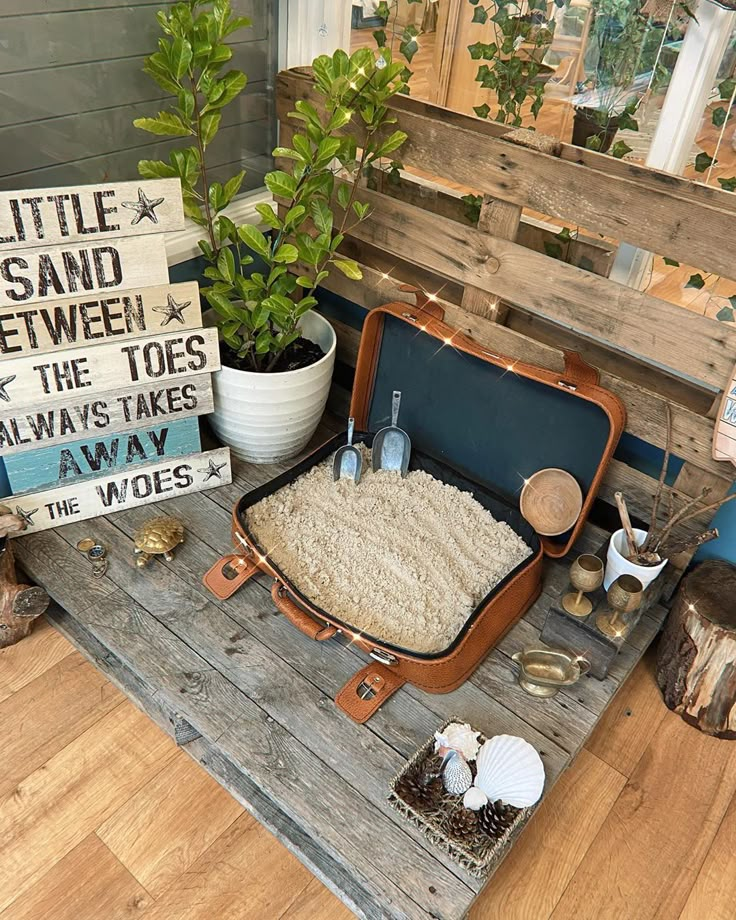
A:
102	817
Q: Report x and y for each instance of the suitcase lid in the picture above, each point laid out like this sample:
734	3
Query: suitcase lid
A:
494	419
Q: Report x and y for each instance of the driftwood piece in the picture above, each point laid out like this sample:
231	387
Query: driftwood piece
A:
696	665
20	605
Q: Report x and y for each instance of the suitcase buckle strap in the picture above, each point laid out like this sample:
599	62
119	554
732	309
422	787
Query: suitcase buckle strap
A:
230	572
367	691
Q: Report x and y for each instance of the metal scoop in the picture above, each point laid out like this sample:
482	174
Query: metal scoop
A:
391	446
348	462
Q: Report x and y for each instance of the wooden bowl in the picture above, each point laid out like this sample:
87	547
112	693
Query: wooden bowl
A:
551	501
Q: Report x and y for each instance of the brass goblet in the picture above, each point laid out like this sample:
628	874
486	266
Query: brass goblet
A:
586	574
624	596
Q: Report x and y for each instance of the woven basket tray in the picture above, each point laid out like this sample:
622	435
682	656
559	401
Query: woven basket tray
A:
478	858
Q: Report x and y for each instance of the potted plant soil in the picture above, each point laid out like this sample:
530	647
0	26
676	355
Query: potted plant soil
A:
277	353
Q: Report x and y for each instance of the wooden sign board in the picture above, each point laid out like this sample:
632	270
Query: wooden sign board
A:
89	267
89	213
60	464
92	318
80	415
154	482
45	379
724	438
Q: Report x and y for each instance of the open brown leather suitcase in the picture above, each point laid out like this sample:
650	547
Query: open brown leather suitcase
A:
478	420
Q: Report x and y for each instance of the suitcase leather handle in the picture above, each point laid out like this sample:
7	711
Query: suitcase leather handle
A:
298	617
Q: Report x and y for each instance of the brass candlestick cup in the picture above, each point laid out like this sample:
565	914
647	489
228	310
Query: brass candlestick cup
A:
542	671
624	596
586	574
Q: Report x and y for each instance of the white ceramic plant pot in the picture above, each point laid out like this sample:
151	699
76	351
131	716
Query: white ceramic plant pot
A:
268	417
617	564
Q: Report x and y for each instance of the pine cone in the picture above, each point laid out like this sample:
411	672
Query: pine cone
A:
495	818
421	792
462	825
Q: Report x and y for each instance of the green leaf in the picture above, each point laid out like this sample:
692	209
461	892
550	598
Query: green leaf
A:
343	196
208	126
295	215
303	147
304	281
728	185
280	184
159	71
671	262
326	152
620	149
719	116
361	210
732	300
165	123
308	111
695	281
409	48
185	98
380	37
725	315
726	88
155	169
305	305
220	303
553	250
269	216
286	152
392	143
321	215
702	162
180	56
286	254
340	117
226	264
627	123
232	186
263	342
479	15
349	268
482	111
253	238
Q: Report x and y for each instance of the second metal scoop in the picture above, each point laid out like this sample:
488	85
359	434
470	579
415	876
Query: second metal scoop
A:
391	446
348	462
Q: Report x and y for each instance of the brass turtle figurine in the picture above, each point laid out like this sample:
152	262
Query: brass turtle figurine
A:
158	537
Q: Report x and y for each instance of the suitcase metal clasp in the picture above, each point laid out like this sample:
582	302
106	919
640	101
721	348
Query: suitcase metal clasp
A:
379	655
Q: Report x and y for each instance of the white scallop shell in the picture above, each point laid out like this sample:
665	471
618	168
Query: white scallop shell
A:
509	769
474	798
460	737
457	775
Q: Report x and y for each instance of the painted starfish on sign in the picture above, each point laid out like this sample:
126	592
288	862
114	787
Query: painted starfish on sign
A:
212	470
27	516
173	310
3	383
144	207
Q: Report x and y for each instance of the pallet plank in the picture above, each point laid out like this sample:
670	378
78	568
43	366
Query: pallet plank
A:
52	466
115	410
90	267
91	497
32	382
86	320
645	212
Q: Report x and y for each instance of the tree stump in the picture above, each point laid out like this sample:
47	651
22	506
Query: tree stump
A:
696	662
20	605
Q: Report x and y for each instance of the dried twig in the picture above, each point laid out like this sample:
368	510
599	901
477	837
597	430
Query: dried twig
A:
660	483
714	506
626	524
682	546
682	515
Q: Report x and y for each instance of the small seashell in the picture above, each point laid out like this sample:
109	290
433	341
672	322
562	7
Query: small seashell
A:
457	776
475	798
460	737
510	769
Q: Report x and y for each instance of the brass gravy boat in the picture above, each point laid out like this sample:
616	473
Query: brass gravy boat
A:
542	671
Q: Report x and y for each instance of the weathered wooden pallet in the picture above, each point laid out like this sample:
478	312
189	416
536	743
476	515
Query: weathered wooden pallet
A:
251	698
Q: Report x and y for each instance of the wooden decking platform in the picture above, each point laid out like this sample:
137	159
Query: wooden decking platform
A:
251	699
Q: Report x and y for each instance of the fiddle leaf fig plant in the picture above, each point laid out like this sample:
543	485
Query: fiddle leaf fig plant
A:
316	191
